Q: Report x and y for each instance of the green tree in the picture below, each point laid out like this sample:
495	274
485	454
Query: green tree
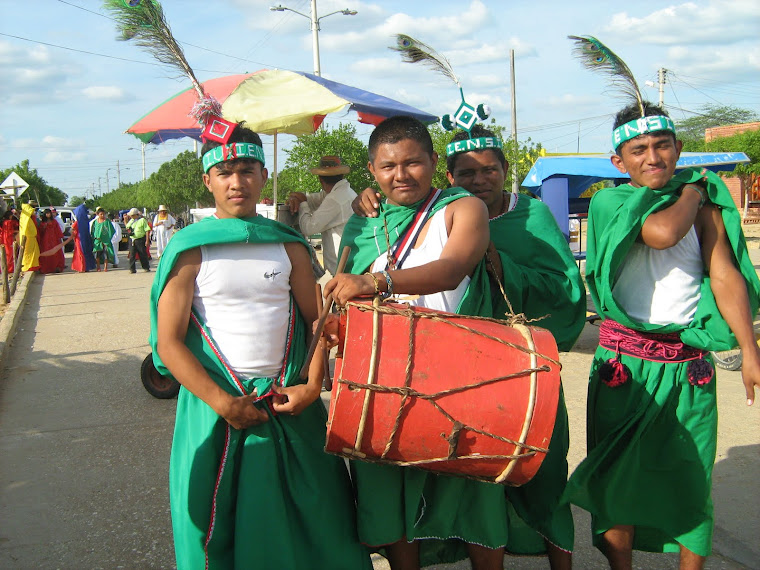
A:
692	130
306	152
39	189
177	184
75	201
748	143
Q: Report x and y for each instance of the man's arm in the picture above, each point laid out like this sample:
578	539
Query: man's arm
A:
173	319
667	227
730	292
147	234
467	224
294	399
323	218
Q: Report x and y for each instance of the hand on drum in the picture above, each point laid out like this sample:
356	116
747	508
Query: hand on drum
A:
293	400
366	204
345	286
241	412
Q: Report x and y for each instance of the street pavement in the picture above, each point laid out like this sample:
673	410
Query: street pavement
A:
84	449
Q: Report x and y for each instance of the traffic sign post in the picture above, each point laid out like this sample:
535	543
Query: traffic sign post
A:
14	185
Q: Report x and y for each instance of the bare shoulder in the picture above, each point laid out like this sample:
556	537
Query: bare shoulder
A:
298	253
188	264
468	210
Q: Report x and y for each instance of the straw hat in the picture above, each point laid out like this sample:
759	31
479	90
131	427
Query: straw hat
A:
330	165
133	212
162	208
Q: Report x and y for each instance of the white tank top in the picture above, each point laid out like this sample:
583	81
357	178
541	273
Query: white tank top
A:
430	250
661	286
242	293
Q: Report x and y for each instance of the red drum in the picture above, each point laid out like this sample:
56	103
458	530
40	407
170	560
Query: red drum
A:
447	393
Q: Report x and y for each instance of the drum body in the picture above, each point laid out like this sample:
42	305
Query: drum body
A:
451	394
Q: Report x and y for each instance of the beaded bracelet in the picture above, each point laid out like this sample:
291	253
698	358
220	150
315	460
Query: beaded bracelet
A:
702	194
389	281
375	282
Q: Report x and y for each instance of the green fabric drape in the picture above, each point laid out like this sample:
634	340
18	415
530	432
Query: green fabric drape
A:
266	496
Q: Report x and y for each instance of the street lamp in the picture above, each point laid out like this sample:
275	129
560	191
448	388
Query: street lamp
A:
108	186
314	21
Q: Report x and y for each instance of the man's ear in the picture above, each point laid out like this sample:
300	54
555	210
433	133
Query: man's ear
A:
435	159
450	176
371	169
206	181
617	162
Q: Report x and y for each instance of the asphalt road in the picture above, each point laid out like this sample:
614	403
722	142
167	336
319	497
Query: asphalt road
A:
84	449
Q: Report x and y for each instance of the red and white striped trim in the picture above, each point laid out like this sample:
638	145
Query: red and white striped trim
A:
402	247
220	473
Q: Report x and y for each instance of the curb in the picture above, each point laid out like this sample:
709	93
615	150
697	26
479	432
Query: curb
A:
12	314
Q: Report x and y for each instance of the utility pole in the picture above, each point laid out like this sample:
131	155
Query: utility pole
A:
515	182
143	159
100	190
661	77
118	175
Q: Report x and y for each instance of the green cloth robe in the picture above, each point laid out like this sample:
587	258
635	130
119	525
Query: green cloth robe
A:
540	277
266	496
102	233
652	441
395	503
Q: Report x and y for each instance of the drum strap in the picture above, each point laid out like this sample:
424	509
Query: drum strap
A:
399	251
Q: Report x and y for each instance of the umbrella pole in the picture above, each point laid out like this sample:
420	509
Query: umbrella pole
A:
274	180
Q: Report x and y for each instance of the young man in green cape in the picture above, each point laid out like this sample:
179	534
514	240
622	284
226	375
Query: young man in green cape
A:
231	309
668	269
102	232
540	278
438	239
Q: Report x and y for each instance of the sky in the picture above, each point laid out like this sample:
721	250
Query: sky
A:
70	90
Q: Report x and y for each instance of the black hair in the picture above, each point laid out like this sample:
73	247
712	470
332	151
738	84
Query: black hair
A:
399	128
240	134
477	132
633	112
334	179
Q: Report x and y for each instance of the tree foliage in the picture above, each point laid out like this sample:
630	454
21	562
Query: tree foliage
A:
692	130
306	152
39	189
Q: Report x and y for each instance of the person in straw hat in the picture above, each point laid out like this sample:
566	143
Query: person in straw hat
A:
163	227
326	212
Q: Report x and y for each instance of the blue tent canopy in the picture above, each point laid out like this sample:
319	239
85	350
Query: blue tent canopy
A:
581	171
557	180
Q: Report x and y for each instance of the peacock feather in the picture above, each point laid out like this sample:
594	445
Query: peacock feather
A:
415	51
143	22
596	56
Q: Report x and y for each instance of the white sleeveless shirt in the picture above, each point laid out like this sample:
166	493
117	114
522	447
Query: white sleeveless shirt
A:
242	293
661	286
430	250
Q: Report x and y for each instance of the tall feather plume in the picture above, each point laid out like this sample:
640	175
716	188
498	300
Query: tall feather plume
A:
415	51
143	22
596	56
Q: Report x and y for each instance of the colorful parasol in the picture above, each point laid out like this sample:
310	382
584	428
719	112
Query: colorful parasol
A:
270	101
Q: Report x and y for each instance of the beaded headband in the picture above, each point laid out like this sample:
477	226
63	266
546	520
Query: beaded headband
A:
636	127
232	151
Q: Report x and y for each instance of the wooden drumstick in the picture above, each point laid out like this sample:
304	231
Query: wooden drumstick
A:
323	317
327	379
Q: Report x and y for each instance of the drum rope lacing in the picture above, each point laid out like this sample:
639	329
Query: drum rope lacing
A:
407	392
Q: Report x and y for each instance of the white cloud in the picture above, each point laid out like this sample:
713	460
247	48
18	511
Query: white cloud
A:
33	75
719	22
60	156
105	92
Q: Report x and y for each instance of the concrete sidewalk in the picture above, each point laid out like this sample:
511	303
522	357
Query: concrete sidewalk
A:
85	449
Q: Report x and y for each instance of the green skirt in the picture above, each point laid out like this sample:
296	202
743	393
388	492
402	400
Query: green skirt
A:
445	513
651	449
263	497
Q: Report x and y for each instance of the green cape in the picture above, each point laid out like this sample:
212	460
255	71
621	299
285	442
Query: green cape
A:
540	274
616	216
102	233
267	496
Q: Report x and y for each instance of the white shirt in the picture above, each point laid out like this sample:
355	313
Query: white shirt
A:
661	286
242	293
327	213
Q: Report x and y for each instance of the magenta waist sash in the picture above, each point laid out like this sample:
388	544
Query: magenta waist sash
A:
654	347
